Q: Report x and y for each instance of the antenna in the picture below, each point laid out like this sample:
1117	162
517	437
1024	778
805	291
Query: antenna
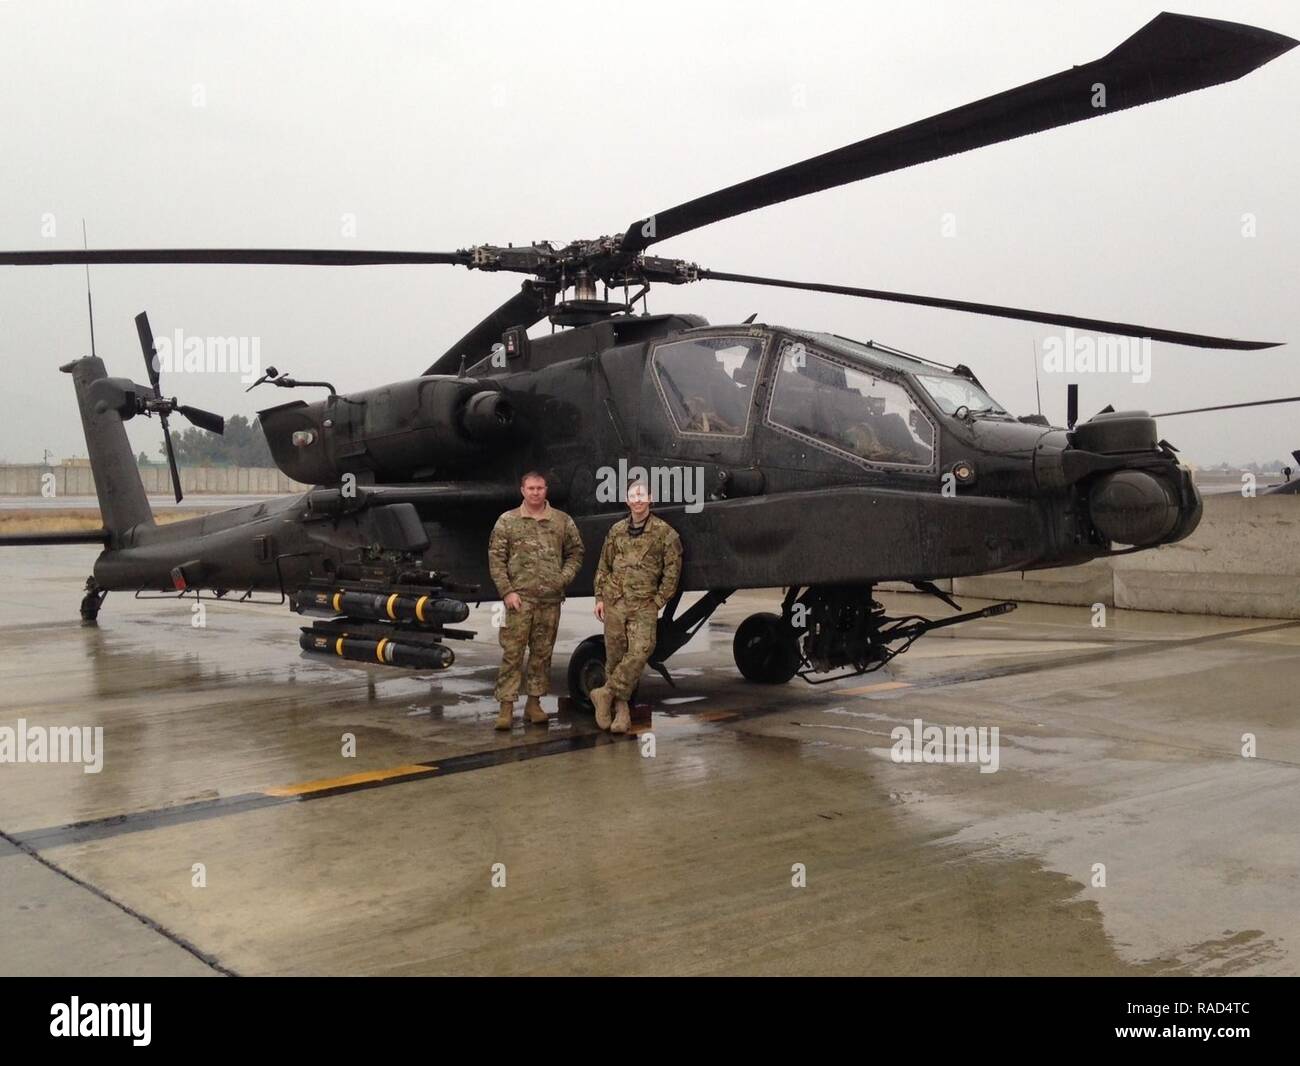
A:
90	307
1037	391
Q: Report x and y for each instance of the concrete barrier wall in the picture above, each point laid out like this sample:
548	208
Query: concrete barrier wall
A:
1243	560
28	480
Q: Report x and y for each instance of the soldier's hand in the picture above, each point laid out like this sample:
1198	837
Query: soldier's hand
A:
513	602
600	610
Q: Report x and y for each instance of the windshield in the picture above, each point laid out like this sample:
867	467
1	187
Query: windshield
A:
950	393
850	409
708	382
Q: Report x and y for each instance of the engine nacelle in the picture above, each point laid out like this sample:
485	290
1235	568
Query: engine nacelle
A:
395	432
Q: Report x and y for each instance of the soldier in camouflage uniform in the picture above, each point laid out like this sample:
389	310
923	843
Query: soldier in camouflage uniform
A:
640	565
533	555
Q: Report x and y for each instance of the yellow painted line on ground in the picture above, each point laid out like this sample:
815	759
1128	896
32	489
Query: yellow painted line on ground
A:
880	686
306	787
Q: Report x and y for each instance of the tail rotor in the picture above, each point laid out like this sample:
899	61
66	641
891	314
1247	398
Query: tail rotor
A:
164	407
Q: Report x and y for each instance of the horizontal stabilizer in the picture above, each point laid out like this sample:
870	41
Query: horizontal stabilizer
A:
87	536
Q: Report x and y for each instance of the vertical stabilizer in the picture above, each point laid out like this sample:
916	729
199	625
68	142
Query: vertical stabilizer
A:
103	400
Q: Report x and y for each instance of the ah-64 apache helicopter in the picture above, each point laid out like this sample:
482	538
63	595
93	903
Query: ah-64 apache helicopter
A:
830	465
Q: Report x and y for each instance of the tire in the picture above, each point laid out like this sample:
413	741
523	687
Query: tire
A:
766	650
586	671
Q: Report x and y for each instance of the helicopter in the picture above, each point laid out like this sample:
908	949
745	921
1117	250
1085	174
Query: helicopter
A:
786	458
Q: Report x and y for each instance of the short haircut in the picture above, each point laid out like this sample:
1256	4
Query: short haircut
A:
531	474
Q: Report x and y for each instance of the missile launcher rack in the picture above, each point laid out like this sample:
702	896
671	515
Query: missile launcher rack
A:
375	616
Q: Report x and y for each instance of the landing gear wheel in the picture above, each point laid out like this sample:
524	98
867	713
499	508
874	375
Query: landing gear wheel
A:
766	649
586	671
91	602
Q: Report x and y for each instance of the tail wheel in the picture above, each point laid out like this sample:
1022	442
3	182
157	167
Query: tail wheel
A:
586	670
92	601
766	649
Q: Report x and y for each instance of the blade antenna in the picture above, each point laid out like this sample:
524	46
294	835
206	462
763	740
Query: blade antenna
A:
1037	391
90	307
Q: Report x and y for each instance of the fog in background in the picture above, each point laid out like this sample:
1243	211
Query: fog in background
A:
439	126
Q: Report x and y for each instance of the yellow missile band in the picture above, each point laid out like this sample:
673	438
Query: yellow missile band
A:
338	646
419	607
379	649
338	597
392	600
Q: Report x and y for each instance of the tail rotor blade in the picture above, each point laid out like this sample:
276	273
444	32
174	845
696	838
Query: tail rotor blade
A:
171	457
147	347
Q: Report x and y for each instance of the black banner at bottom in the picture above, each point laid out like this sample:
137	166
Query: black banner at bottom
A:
338	1015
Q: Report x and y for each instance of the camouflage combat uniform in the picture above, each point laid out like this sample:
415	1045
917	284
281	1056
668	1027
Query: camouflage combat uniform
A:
636	577
537	558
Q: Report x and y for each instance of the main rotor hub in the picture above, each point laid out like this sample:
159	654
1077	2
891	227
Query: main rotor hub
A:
580	265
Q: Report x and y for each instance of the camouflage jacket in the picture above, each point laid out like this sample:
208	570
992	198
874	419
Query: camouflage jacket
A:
535	557
640	570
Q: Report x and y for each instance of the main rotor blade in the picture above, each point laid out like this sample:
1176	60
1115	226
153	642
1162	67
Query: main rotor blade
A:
1050	318
1170	55
526	307
254	256
1227	407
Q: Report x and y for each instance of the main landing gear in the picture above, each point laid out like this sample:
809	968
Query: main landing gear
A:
835	630
586	670
828	628
587	663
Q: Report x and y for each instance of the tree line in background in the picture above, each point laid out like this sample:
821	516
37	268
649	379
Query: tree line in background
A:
1253	468
243	444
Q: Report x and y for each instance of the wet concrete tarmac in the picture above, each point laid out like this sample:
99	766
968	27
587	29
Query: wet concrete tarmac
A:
227	831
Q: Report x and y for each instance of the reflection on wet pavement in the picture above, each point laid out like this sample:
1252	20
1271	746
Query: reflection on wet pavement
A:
1123	830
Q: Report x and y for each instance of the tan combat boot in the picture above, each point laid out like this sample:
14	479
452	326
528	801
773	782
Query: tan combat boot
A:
534	713
622	717
602	698
507	716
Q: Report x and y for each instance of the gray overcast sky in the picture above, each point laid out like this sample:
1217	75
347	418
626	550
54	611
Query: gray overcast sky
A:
439	126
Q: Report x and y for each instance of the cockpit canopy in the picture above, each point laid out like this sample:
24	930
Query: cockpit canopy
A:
708	382
863	401
848	406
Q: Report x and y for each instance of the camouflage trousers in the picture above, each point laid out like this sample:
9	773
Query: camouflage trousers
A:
530	629
629	639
